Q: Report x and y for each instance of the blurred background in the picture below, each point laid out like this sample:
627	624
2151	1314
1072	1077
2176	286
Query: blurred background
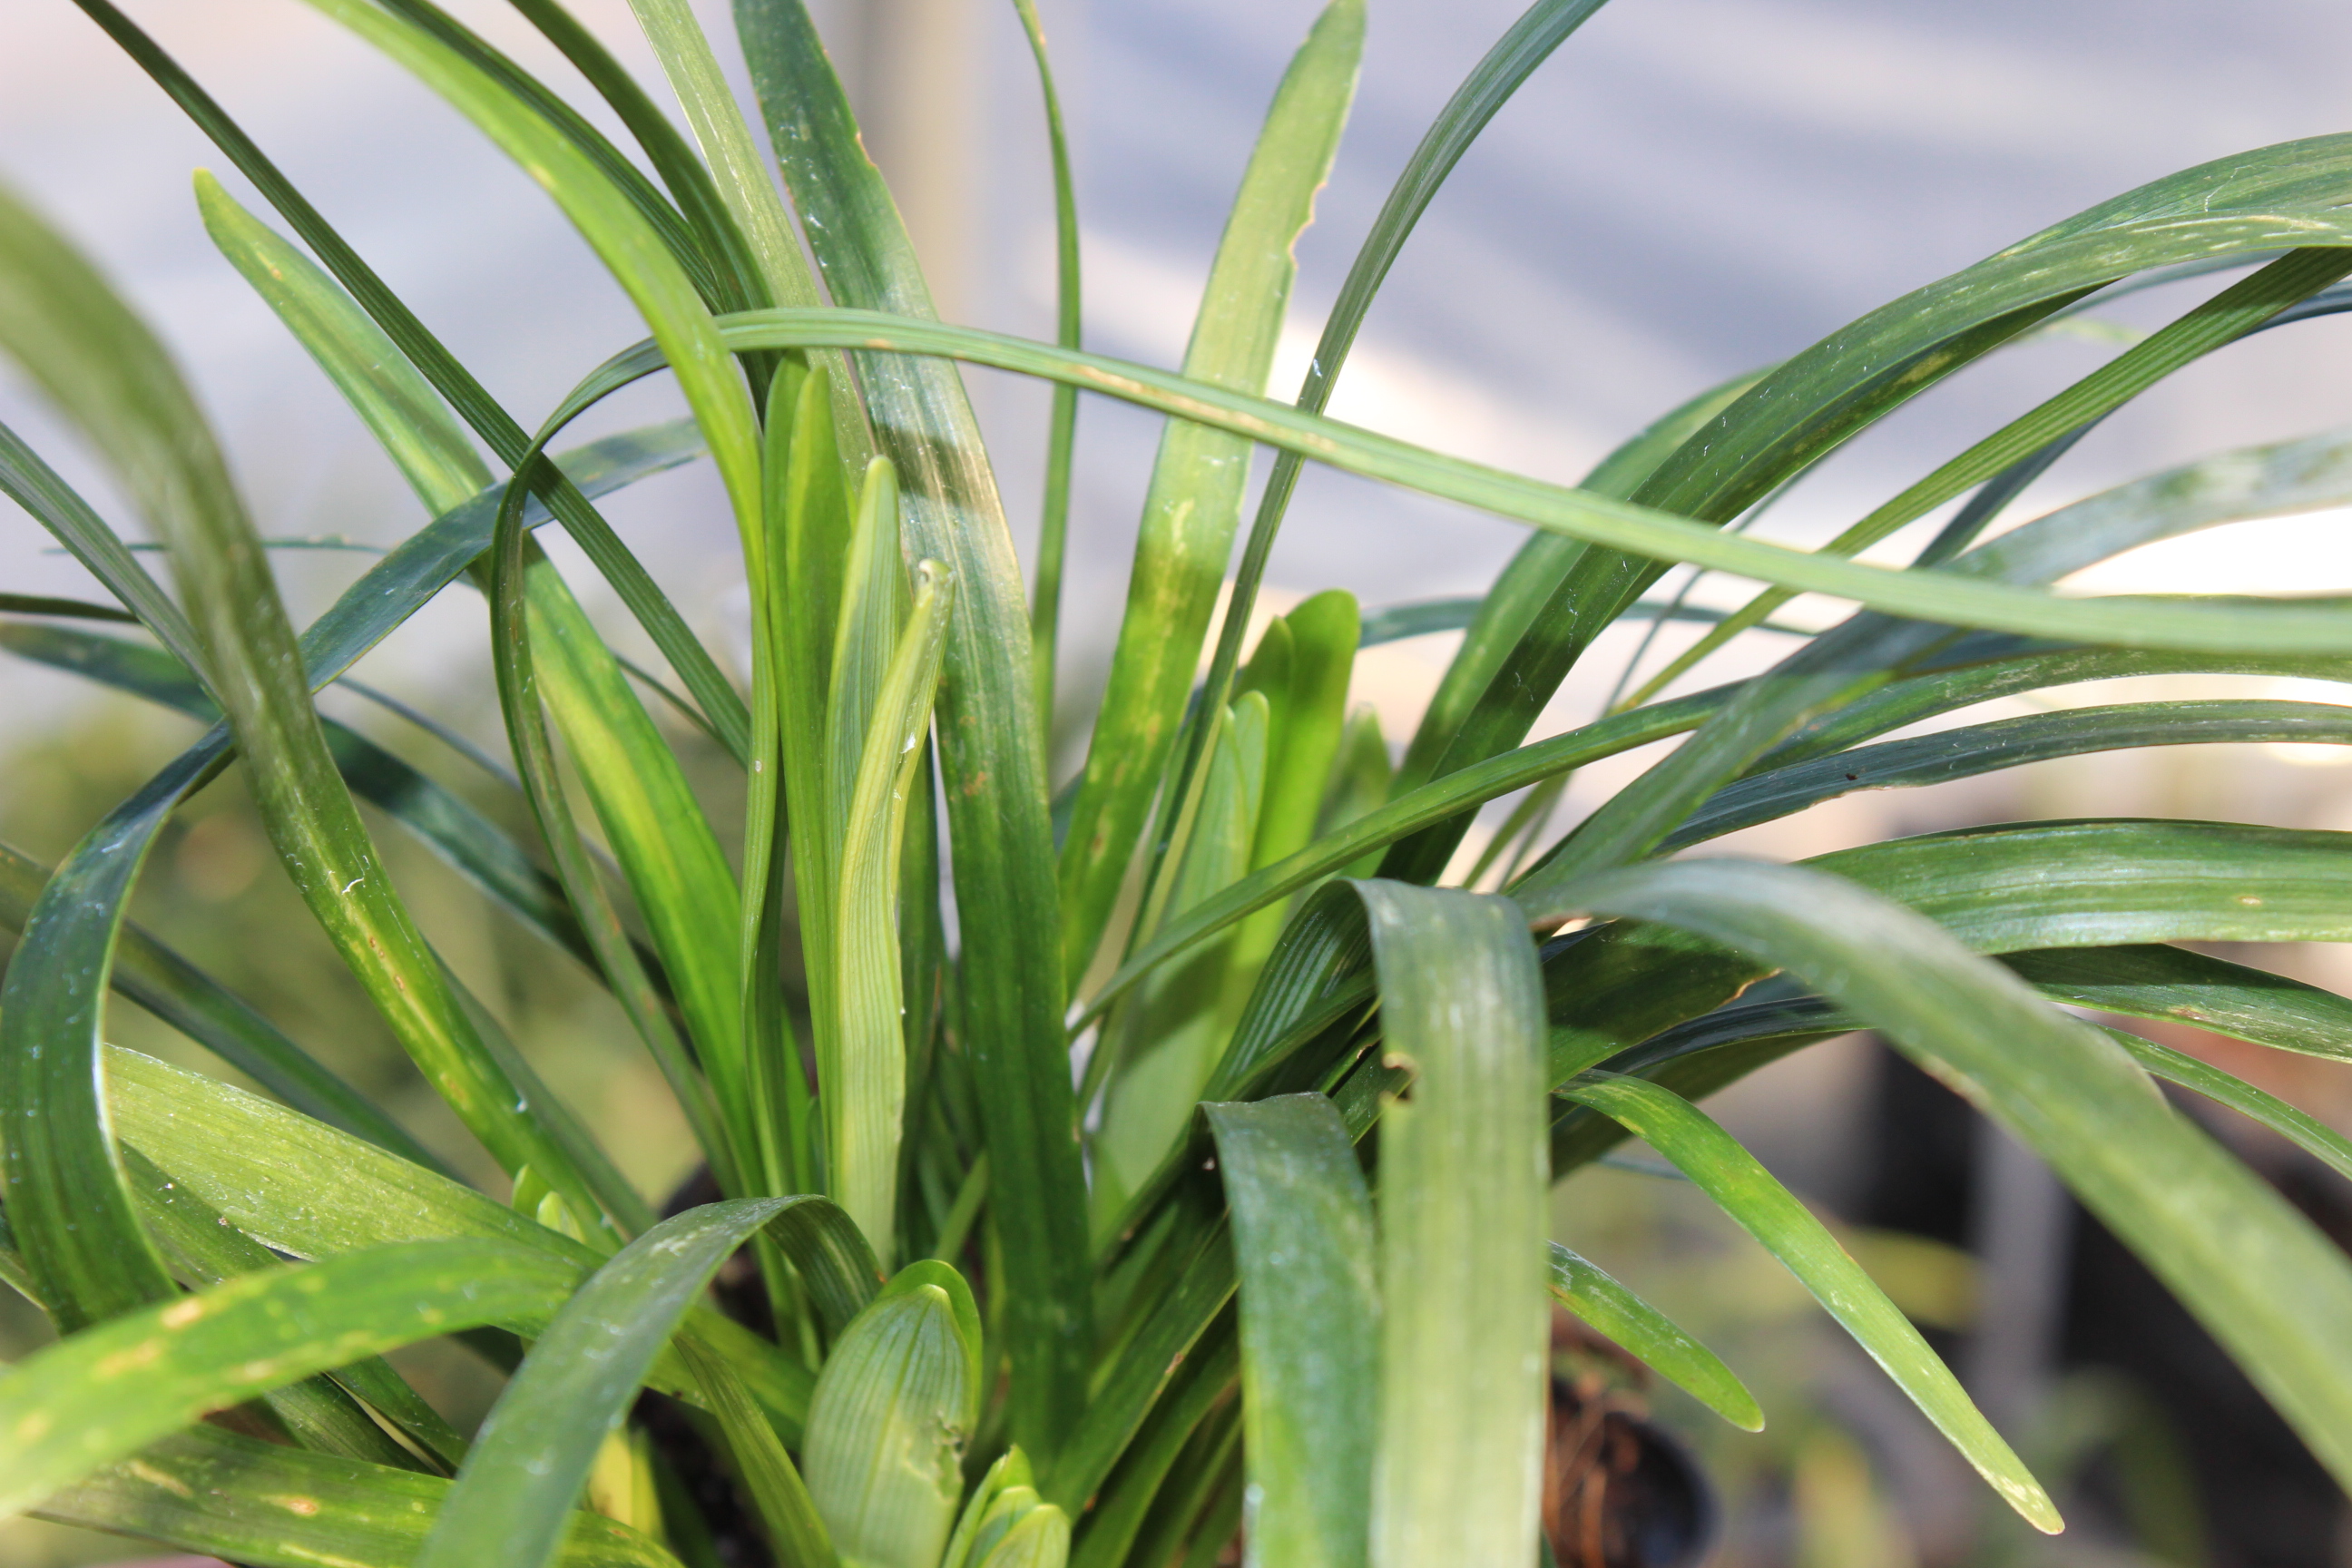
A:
1691	188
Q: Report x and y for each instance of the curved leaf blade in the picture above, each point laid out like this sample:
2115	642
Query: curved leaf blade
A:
1648	1335
2306	1132
1935	597
2100	882
513	1496
106	1392
1769	1211
211	1491
191	1001
2263	1281
1979	749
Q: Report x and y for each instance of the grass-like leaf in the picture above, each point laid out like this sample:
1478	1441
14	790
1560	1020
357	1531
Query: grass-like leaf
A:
1193	506
1463	1326
1746	1192
73	522
1938	599
2195	988
990	762
1980	749
143	416
2096	883
2306	1132
108	1392
308	1191
2242	308
212	1491
191	1001
1310	1321
1586	1289
514	1494
2256	1273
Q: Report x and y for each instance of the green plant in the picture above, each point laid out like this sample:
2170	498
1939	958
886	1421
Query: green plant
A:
1011	1303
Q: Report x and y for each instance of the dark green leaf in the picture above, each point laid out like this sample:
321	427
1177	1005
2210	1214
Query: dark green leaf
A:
992	764
191	1001
2007	743
2255	1272
1771	1213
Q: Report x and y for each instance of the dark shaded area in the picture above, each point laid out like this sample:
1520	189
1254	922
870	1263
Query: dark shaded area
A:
2265	1502
691	1472
1618	1492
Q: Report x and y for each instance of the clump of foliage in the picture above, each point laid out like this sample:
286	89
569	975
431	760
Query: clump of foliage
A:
1267	1252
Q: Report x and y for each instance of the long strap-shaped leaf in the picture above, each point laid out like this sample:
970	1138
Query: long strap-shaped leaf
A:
991	752
1920	698
1587	1289
1816	399
2244	308
737	172
2260	1278
766	1471
518	1486
1977	749
2019	889
2195	988
1748	1194
211	1491
657	828
1529	42
1310	1325
722	407
2166	984
1871	649
617	230
1061	433
205	1249
1127	1500
2096	883
1938	597
1194	502
108	1391
468	841
654	824
1859	374
404	415
1456	1475
2169	984
2306	1132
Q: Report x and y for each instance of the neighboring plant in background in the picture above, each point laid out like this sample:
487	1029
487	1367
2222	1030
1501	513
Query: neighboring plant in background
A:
996	1310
